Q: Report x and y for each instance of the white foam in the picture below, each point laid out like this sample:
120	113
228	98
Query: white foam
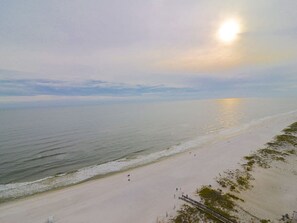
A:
15	190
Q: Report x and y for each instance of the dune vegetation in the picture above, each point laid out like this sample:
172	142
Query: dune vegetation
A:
225	198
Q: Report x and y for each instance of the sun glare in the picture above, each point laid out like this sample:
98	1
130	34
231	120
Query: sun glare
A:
228	31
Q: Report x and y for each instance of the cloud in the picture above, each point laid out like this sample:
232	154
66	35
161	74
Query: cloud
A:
275	81
36	87
137	48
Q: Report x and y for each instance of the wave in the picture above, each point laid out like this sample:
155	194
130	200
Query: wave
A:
16	190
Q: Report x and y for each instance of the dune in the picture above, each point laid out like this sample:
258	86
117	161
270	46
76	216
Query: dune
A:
274	192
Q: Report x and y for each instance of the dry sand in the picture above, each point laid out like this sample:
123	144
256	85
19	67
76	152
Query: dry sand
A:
274	191
151	192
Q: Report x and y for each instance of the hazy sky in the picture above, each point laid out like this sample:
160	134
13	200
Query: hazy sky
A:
109	49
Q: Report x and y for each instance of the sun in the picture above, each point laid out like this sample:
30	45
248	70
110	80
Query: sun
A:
229	31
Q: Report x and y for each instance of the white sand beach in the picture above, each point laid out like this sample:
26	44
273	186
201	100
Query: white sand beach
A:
151	192
276	186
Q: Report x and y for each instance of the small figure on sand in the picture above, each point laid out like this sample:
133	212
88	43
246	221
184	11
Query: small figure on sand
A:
50	219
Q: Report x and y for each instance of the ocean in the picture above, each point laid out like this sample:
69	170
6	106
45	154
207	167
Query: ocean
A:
47	148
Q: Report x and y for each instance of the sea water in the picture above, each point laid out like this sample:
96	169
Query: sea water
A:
46	148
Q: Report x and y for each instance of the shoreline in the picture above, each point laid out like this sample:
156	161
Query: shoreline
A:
16	191
261	189
151	192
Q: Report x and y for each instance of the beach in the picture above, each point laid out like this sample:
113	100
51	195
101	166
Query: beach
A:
148	193
148	111
277	187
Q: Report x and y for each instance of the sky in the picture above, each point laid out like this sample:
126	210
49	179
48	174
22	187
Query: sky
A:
110	50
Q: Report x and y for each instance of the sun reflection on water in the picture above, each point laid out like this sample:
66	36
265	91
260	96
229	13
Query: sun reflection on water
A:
230	110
